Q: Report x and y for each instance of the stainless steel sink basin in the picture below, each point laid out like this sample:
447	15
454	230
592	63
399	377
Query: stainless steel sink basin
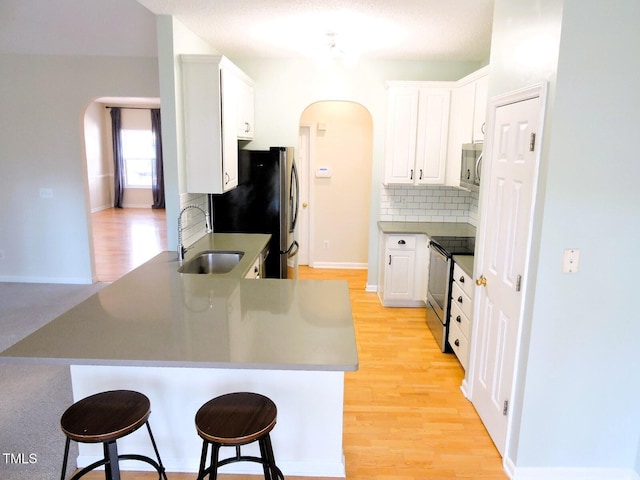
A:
211	262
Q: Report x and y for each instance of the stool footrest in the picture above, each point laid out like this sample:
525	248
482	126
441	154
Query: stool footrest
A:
242	458
104	461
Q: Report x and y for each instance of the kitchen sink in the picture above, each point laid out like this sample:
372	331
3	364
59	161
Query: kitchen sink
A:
212	262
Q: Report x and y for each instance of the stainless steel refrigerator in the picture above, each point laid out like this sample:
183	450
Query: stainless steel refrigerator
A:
265	201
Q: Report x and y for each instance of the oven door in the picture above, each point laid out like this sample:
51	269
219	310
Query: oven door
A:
438	293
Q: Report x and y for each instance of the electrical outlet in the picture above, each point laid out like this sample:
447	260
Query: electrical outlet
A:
570	260
46	193
325	244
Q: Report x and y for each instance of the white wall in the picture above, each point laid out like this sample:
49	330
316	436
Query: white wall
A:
44	99
99	172
342	135
284	88
175	39
579	386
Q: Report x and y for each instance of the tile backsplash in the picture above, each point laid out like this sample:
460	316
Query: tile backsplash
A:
407	203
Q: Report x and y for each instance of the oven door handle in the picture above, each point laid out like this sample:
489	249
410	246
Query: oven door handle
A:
438	249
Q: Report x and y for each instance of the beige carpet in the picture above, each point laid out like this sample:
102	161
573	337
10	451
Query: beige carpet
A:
33	397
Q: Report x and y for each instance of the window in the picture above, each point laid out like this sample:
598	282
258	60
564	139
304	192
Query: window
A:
139	151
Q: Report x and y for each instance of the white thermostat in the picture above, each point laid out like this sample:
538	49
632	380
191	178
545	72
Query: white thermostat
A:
323	172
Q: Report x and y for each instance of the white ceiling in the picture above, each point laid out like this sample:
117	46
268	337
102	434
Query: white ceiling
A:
385	29
421	30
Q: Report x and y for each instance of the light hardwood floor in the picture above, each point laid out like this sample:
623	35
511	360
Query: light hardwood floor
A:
405	416
125	238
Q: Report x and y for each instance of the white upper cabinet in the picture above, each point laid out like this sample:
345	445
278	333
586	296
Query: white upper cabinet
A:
212	88
470	107
417	132
480	107
468	116
245	120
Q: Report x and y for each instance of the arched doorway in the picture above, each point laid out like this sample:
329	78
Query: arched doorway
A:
123	238
335	160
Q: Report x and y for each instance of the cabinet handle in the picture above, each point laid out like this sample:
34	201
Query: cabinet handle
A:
226	178
411	176
458	319
457	343
461	280
247	128
401	242
389	259
420	174
482	128
460	299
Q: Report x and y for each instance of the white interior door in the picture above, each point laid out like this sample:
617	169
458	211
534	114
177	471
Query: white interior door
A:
504	245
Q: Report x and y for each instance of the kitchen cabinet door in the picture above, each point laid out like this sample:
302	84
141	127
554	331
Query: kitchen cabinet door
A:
230	87
402	132
403	270
480	108
417	133
211	110
433	130
245	109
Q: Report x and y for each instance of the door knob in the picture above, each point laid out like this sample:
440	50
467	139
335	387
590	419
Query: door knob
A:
304	205
481	281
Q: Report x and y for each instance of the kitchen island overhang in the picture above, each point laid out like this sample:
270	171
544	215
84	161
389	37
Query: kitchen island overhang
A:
182	339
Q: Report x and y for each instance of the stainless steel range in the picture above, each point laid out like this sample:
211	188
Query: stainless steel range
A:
441	251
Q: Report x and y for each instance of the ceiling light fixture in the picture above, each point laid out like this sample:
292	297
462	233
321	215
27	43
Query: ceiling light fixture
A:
335	49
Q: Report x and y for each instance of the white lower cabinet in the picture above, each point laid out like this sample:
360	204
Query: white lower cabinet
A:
461	314
254	271
403	270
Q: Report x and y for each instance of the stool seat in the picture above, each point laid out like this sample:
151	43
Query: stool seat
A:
236	418
105	416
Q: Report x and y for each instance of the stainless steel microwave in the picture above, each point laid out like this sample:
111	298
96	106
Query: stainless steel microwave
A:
471	166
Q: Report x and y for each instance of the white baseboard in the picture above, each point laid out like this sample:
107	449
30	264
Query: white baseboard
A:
137	205
371	288
100	208
574	474
342	265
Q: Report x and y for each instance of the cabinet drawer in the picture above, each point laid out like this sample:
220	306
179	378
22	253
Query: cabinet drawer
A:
462	300
463	280
460	319
460	344
401	242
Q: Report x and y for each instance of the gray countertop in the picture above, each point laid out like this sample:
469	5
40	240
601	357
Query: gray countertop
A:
465	262
431	229
155	316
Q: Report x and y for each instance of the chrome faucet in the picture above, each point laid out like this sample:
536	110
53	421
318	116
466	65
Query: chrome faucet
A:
207	224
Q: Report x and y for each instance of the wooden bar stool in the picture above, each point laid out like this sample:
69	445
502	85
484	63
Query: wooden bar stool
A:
234	420
104	418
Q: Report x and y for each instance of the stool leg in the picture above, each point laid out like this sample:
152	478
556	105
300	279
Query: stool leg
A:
155	449
112	468
203	459
265	459
276	474
66	457
215	452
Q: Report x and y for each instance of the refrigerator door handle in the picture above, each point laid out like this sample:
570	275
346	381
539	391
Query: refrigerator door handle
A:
294	197
292	250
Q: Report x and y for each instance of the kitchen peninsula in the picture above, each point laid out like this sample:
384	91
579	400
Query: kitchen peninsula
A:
182	339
